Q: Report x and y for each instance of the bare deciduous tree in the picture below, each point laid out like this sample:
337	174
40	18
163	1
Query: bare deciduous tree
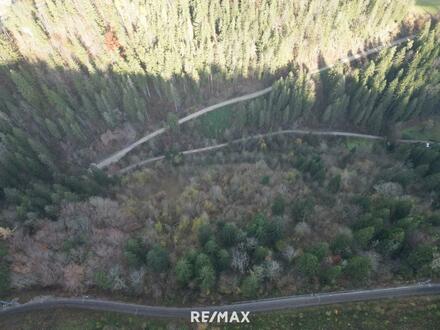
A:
240	260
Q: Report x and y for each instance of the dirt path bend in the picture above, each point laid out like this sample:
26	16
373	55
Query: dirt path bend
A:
121	153
259	136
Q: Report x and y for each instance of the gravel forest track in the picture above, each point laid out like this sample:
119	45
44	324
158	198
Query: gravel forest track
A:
259	136
121	153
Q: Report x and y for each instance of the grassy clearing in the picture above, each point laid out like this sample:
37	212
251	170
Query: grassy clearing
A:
430	6
215	123
416	313
423	313
427	130
355	143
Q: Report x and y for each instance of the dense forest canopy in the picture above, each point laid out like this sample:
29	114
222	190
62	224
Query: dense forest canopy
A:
379	95
167	38
99	63
72	70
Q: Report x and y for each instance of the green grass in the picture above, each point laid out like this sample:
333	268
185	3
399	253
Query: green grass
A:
423	313
355	143
79	320
416	313
430	6
215	123
428	130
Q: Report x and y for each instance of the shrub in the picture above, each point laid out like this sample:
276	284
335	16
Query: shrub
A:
316	169
3	250
404	177
358	268
191	255
291	176
211	247
278	205
207	278
250	286
342	245
362	201
223	260
401	209
302	229
257	228
301	209
334	184
422	170
320	250
260	254
4	278
308	264
204	234
432	182
383	213
201	261
370	220
288	252
404	270
319	176
272	269
330	274
391	241
434	219
135	252
421	256
363	237
228	234
158	259
184	271
381	202
102	281
173	123
274	232
409	223
267	232
265	180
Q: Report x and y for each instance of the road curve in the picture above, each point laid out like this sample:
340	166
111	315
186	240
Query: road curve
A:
121	153
263	305
259	136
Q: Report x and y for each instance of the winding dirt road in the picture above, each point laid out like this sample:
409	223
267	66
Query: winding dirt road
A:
259	136
121	153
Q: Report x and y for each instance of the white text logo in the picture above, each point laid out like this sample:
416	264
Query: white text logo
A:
219	317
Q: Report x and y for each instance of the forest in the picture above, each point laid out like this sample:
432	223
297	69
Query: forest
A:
80	79
71	71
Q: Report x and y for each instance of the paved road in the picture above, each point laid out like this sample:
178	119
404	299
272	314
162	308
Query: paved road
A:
121	153
259	136
263	305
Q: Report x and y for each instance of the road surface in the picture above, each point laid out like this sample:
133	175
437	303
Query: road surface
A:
121	153
263	305
259	136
